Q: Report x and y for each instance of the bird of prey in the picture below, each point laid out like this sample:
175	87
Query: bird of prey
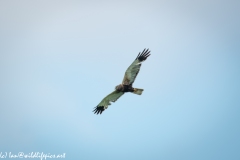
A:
126	86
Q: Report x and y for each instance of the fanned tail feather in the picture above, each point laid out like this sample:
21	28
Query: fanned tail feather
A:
137	91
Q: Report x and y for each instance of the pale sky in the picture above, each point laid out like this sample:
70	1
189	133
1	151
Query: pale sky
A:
59	59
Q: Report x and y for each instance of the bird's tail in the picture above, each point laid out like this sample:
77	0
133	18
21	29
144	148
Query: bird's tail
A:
137	91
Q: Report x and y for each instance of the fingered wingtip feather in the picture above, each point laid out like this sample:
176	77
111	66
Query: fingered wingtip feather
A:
98	110
138	55
143	51
143	56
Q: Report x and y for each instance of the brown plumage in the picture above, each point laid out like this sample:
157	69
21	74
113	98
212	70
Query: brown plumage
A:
126	85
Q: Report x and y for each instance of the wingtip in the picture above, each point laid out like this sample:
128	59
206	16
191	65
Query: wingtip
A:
142	56
98	110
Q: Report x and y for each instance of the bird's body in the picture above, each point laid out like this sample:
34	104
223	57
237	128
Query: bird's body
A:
124	88
126	85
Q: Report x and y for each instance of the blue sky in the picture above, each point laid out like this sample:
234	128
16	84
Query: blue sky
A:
58	59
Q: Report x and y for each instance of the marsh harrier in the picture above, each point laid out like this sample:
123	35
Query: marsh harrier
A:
126	86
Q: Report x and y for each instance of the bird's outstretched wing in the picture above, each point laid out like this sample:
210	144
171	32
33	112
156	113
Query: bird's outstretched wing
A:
112	97
132	71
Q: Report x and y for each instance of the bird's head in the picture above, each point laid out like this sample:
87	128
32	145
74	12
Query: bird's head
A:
119	87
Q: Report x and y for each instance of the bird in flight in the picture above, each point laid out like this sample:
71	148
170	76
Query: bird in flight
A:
126	86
